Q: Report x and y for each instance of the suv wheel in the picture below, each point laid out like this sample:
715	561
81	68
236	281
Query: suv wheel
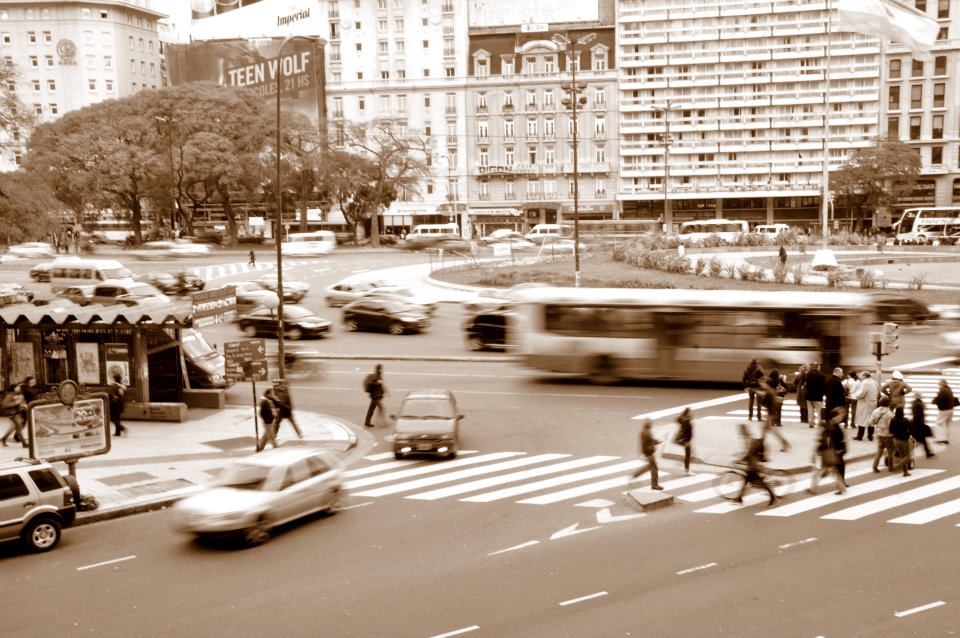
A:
42	534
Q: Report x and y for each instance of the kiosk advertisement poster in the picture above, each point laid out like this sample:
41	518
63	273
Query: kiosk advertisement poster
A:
88	363
60	431
21	363
118	360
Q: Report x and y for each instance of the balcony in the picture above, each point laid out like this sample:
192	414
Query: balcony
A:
449	52
447	7
481	108
483	197
450	110
508	107
530	107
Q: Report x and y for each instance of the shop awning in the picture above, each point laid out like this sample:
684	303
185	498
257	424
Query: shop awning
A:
545	204
30	314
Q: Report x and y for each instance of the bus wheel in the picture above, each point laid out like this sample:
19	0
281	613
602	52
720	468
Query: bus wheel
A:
604	370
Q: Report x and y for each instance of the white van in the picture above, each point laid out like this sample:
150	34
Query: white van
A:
540	232
771	230
428	234
76	271
318	242
726	230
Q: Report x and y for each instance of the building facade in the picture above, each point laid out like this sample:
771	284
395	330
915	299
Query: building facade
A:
69	54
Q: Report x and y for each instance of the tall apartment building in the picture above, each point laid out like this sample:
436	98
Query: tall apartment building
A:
725	106
70	54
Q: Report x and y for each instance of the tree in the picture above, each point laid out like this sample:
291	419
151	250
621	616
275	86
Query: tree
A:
28	208
876	176
401	160
301	160
15	120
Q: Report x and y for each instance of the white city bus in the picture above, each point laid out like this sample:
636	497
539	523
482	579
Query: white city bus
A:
728	231
318	242
929	226
611	230
608	334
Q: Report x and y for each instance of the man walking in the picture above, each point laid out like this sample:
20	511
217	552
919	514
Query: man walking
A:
268	415
814	389
284	406
867	396
835	396
851	386
115	392
648	449
945	402
880	422
752	374
373	386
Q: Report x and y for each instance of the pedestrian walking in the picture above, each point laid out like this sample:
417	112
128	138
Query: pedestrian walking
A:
851	386
376	390
284	405
782	255
919	429
684	437
835	395
867	395
945	401
252	258
799	383
830	449
268	416
879	423
897	390
752	374
14	407
814	389
773	393
30	390
903	450
116	392
752	458
648	449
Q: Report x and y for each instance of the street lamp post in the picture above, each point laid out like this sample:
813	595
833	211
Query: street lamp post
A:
166	123
666	139
573	100
278	230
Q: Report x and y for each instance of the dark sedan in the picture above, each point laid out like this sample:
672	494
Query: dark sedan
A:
488	330
298	322
182	282
387	315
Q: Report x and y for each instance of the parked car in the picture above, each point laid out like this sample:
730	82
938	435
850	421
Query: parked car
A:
180	282
298	323
428	422
11	293
293	290
35	504
257	493
343	292
395	317
80	295
250	295
32	250
489	330
41	272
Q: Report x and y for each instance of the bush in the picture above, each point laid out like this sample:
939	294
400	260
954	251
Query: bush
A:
780	274
917	282
797	273
715	267
700	267
836	279
867	278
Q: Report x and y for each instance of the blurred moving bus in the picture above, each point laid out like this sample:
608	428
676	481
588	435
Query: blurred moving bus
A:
726	230
318	242
929	226
607	334
611	230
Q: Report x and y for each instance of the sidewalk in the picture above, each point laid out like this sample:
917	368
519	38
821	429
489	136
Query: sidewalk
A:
155	463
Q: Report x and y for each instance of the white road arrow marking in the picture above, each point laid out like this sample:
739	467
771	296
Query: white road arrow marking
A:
570	531
604	516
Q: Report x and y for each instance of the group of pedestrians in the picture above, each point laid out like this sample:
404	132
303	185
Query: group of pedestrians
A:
14	406
275	406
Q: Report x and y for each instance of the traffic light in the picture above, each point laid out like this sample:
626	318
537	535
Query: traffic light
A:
891	338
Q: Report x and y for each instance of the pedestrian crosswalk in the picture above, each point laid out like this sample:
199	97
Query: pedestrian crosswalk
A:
931	494
220	271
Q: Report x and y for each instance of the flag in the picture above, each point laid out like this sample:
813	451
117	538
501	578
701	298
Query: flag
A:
890	20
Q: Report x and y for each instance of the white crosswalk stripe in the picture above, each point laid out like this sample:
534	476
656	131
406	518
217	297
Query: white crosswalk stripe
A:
552	478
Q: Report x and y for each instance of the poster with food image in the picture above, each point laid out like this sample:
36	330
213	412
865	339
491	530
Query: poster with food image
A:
21	363
88	363
58	431
118	360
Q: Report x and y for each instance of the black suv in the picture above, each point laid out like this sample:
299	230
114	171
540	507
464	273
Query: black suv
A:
35	504
489	330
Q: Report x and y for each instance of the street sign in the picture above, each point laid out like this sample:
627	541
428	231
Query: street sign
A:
245	360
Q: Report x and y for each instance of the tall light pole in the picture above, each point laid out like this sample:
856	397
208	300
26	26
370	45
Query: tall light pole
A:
574	99
666	140
278	229
166	123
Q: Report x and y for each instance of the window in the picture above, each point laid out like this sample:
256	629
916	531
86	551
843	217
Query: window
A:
402	103
483	130
38	109
600	154
507	65
108	85
48	60
531	100
7	39
130	43
914	127
483	157
893	98
359	75
481	69
508	189
531	127
32	37
943	9
940	65
334	30
936	127
938	92
398	24
508	131
36	85
401	74
106	39
426	44
361	103
916	70
359	46
426	73
383	48
936	155
548	127
51	85
894	69
108	61
548	103
549	155
599	125
384	103
509	156
529	65
893	127
549	64
916	96
91	85
384	75
12	486
449	71
532	155
599	97
338	107
599	60
53	108
481	100
426	101
382	24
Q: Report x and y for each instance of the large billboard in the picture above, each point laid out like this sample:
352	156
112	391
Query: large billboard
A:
500	13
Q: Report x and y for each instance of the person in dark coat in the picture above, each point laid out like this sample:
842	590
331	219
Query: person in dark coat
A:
920	430
284	405
945	402
375	389
799	383
684	436
900	431
835	395
752	374
813	389
268	415
115	392
648	449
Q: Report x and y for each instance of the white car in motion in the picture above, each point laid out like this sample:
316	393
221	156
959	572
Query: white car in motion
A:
32	250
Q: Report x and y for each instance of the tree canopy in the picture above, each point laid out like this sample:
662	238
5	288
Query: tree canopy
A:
876	176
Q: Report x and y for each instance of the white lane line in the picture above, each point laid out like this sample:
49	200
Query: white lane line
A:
353	507
925	364
894	500
929	514
828	499
812	539
457	632
580	490
547	484
917	610
573	601
436	467
106	562
515	547
510	478
461	474
392	465
696	569
659	414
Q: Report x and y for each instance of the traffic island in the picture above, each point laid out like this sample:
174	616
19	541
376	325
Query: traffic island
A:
649	499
